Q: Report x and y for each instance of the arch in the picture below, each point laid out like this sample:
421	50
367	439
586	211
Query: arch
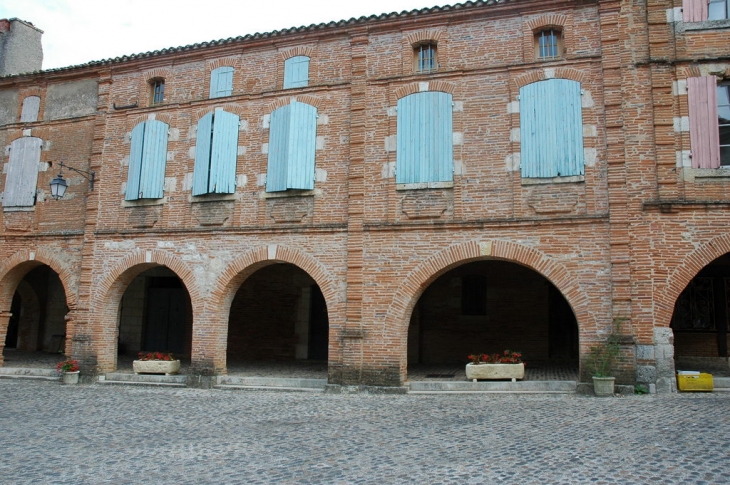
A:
306	99
549	73
547	21
685	271
413	88
301	50
412	287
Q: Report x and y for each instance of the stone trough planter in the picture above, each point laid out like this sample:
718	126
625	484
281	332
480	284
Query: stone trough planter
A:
475	372
167	367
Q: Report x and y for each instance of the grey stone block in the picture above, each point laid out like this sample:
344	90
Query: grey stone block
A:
664	336
666	385
645	352
645	374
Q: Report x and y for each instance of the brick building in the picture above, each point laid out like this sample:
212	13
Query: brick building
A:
392	190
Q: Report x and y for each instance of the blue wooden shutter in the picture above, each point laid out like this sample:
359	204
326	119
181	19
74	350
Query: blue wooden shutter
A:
22	177
551	129
154	159
201	171
221	82
135	162
224	153
302	146
296	72
279	126
424	151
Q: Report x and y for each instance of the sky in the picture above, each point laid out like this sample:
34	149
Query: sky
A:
80	31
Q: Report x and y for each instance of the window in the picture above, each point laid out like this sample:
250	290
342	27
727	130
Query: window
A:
158	91
215	154
296	72
425	58
221	82
22	174
147	159
718	9
424	151
709	122
29	113
548	44
551	129
292	143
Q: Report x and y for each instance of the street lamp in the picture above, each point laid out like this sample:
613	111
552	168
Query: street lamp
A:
59	185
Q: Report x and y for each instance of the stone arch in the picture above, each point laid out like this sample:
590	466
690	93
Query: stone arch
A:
413	285
686	270
108	297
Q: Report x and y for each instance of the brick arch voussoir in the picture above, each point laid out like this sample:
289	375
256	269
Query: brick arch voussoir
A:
413	88
234	108
157	73
686	270
213	64
540	75
547	21
306	98
39	256
301	50
431	35
407	294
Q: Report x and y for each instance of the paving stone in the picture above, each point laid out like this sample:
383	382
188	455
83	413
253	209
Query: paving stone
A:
96	434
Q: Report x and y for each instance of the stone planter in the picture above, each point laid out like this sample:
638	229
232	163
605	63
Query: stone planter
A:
167	367
495	371
70	377
603	386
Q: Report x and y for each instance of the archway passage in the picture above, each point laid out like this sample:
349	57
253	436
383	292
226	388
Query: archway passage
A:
36	332
487	307
278	315
155	315
700	320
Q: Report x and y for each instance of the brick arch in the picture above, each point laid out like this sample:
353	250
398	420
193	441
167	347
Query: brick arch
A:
548	21
416	282
665	297
537	75
413	88
213	64
306	98
135	120
16	266
107	298
414	39
301	50
157	73
234	108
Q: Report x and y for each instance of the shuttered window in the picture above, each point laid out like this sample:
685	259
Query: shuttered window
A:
147	159
694	10
31	105
221	82
424	151
551	129
22	175
718	10
703	121
215	154
292	144
296	72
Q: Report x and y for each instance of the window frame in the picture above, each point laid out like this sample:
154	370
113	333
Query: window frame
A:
215	90
556	46
721	3
291	68
425	57
216	154
157	91
291	163
147	160
724	148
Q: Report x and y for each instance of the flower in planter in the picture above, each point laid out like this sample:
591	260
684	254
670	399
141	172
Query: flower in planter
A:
506	357
155	356
68	365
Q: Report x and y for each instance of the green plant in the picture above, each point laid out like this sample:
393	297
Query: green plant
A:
602	357
155	356
506	357
68	365
640	389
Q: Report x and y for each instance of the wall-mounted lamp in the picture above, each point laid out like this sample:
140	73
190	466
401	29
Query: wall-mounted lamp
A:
59	185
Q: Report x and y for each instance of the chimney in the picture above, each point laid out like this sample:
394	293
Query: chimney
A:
20	47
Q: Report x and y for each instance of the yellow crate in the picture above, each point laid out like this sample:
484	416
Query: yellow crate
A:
694	382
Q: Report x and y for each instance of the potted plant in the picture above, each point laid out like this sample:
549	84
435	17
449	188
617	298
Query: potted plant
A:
69	371
601	358
507	365
156	363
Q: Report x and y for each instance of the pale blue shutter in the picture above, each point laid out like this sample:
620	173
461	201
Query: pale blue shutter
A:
224	153
201	171
424	148
22	173
135	162
551	129
154	159
278	149
296	72
302	146
221	82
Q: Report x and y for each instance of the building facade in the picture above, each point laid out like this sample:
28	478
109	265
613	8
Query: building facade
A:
400	189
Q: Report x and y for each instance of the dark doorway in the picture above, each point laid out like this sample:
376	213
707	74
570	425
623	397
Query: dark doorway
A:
165	315
318	325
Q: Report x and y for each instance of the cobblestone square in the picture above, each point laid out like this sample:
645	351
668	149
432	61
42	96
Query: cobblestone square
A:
96	434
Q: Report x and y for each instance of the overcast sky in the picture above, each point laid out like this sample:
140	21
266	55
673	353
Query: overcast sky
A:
79	31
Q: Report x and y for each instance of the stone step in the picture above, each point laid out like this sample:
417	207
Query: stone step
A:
240	382
542	387
29	373
143	379
721	383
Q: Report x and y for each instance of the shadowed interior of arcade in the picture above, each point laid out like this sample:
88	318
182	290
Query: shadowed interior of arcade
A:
488	307
278	315
700	320
37	326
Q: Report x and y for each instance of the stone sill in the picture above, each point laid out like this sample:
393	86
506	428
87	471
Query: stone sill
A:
705	25
19	209
722	173
554	180
144	202
197	199
425	185
290	193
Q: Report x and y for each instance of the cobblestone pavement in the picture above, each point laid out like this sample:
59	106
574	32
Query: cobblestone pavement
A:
96	434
